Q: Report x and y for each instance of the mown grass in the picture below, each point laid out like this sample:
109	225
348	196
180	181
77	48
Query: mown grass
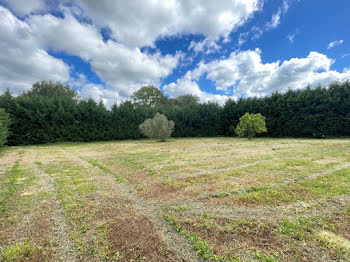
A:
334	184
217	238
208	234
9	187
22	251
236	174
73	191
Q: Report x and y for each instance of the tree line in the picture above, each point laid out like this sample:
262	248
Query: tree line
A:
52	112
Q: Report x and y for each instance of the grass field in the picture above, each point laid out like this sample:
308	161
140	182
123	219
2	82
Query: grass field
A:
208	199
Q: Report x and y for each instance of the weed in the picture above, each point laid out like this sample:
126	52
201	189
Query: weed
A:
301	229
261	256
20	251
107	170
331	240
199	245
11	187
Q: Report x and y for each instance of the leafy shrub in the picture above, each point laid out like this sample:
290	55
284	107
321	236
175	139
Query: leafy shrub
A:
159	127
251	124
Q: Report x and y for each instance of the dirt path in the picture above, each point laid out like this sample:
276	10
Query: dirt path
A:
7	161
40	225
175	242
66	251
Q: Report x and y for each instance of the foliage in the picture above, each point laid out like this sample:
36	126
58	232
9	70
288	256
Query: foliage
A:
51	89
333	241
52	112
186	100
4	126
149	96
250	125
159	127
20	251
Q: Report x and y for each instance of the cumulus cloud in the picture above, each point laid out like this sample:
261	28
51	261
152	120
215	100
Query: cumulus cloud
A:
119	61
335	43
245	74
97	92
23	61
187	85
122	68
25	7
141	22
207	46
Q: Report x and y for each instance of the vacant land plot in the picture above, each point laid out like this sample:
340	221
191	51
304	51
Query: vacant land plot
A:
210	199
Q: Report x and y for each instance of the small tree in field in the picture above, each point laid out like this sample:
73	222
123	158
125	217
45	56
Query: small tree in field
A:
250	125
159	127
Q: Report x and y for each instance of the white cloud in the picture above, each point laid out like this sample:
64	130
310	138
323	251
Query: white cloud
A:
25	7
187	85
119	61
242	38
97	92
245	74
290	37
275	20
141	22
23	61
207	46
257	31
335	43
122	68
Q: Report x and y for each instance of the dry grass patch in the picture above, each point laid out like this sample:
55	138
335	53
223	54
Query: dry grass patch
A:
134	238
333	241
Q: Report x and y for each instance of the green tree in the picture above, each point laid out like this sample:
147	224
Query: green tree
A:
4	126
159	127
149	96
186	100
52	89
251	124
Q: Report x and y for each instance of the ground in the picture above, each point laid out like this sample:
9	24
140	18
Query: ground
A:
207	199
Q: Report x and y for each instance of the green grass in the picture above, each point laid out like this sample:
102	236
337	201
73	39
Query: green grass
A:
168	175
23	251
10	187
107	170
334	184
199	245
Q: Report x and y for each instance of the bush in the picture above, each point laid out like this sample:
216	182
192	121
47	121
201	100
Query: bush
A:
4	126
251	124
159	127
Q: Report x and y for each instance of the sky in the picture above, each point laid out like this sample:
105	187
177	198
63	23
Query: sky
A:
214	49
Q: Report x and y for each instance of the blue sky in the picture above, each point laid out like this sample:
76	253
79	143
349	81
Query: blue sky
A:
213	49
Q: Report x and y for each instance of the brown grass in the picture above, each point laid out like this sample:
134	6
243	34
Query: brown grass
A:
136	238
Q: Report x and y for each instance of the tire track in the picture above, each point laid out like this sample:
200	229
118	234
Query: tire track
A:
152	209
66	250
